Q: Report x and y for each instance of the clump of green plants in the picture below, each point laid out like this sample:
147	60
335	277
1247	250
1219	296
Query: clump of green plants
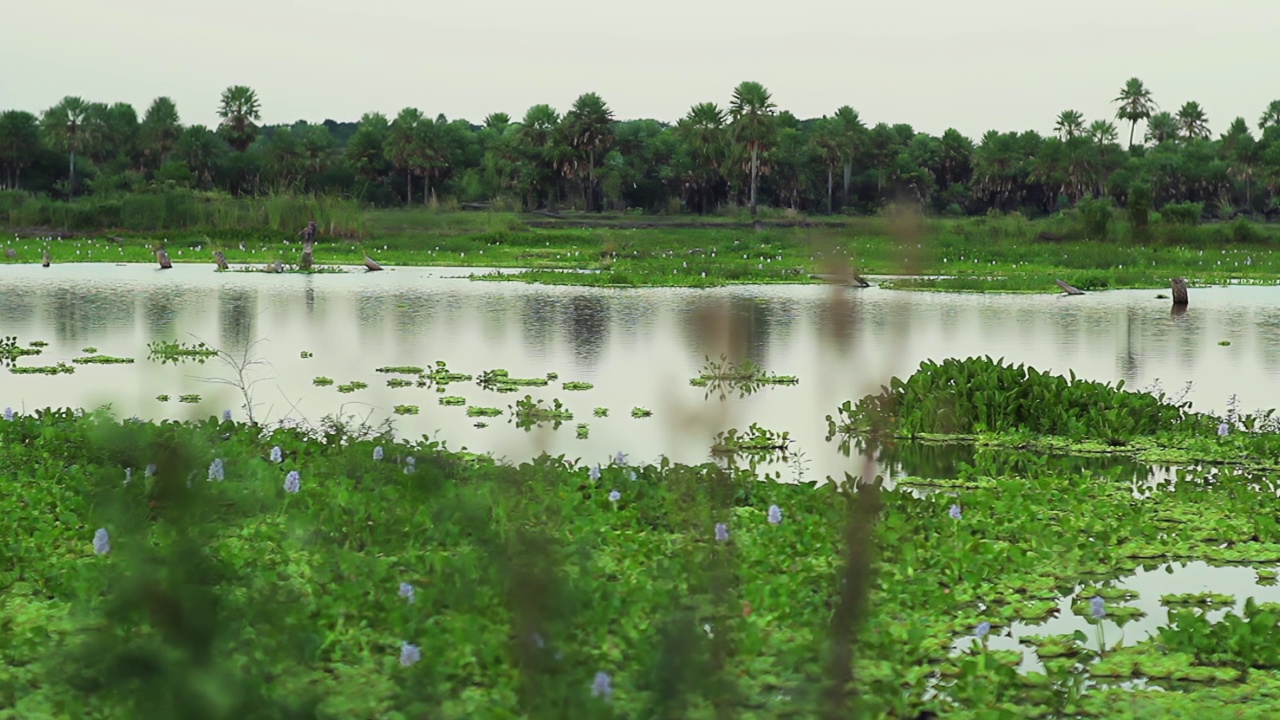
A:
34	344
322	381
479	411
577	386
1203	599
453	400
10	350
501	381
744	378
162	397
306	355
639	412
527	413
189	398
600	412
440	375
584	432
401	370
399	383
90	350
176	352
406	410
754	440
352	386
102	360
553	376
59	369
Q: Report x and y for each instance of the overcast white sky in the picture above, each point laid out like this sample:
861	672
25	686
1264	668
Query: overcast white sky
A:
973	64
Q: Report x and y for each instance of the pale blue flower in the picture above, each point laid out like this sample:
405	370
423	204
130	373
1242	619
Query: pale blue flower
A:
409	654
292	482
615	496
101	542
409	465
8	413
1097	608
1223	429
226	416
954	512
602	687
277	455
775	514
631	475
983	628
620	458
377	453
406	591
216	471
594	473
722	532
151	470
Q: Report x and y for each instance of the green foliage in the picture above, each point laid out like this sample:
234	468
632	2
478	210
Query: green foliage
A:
102	360
1184	213
176	352
528	413
1096	215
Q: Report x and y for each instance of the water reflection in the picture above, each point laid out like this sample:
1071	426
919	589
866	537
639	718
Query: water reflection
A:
586	320
237	315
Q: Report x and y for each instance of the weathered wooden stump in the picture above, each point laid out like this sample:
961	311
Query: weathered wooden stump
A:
307	258
277	267
1069	289
46	262
1179	286
163	258
221	260
369	263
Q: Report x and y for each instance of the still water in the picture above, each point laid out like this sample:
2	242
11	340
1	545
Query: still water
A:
638	347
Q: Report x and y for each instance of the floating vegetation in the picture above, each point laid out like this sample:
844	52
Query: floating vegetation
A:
401	370
162	398
400	383
639	412
306	355
528	412
601	412
322	381
406	410
577	386
189	398
501	381
1224	343
584	432
10	350
90	350
479	411
102	360
59	369
352	386
553	376
480	425
453	400
176	352
1203	599
441	375
754	440
38	344
745	378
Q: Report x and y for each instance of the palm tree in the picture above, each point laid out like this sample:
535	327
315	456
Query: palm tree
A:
497	121
704	134
1270	116
1070	124
1135	104
752	113
200	148
69	128
239	110
19	144
161	129
589	128
852	132
1103	132
1240	150
427	156
538	137
826	140
401	143
1192	121
1162	127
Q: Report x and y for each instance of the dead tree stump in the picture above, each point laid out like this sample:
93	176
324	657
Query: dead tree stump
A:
1179	286
163	258
1068	289
277	267
221	259
369	263
307	259
46	262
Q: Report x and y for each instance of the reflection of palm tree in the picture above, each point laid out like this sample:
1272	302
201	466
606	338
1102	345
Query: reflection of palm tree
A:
587	323
1135	104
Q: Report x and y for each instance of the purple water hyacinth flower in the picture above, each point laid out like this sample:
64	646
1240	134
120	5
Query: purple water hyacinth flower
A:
226	416
1097	608
602	686
1223	429
775	515
150	471
620	459
594	473
722	532
983	628
410	465
406	591
615	496
377	453
216	470
101	542
8	413
277	455
954	512
292	482
409	654
631	475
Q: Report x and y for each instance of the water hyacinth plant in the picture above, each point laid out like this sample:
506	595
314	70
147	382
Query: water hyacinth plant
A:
216	470
292	482
101	542
775	515
406	591
277	455
409	654
602	686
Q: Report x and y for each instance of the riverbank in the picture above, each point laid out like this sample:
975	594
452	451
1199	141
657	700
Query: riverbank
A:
1007	254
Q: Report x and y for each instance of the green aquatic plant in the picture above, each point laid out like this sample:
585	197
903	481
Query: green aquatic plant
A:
639	412
190	398
59	369
401	370
1202	599
479	411
584	432
577	386
527	413
176	352
33	343
723	376
501	381
440	375
405	410
102	360
306	355
754	439
453	400
90	350
553	376
322	381
10	349
352	386
600	412
162	398
399	383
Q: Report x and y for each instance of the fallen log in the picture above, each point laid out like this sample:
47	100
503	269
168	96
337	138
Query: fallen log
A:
851	280
1068	289
1179	286
46	262
220	259
369	263
163	258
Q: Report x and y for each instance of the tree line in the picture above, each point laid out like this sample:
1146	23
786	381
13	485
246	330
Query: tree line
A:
745	153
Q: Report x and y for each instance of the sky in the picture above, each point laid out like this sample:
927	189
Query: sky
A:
973	65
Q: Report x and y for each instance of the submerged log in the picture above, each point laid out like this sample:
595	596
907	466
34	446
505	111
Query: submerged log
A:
46	262
221	259
1068	289
851	280
1179	286
369	263
163	258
